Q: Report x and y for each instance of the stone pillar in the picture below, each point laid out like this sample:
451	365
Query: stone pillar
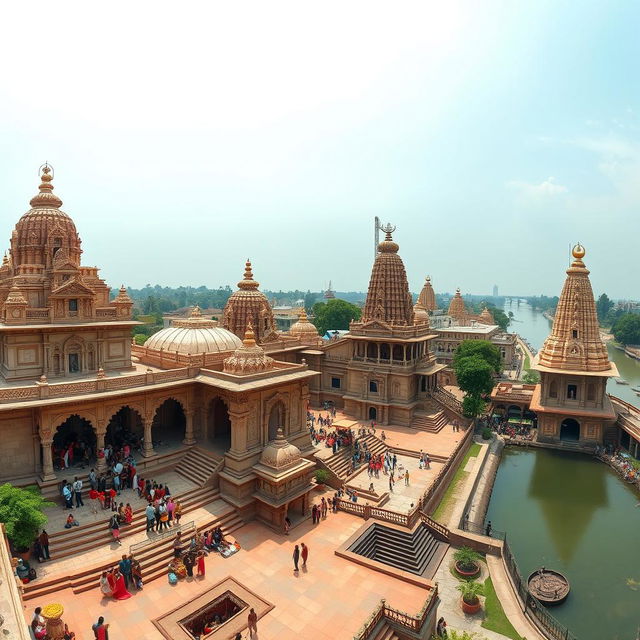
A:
188	433
147	445
101	466
239	416
47	459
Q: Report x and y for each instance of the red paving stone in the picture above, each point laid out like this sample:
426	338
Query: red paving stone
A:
330	599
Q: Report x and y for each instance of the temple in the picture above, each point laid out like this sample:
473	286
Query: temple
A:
571	400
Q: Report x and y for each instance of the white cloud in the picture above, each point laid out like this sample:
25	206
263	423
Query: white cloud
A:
546	188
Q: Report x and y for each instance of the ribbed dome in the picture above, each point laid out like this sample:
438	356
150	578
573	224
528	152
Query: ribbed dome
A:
249	358
420	315
575	343
248	306
194	335
456	306
45	232
280	454
486	317
303	329
427	297
388	297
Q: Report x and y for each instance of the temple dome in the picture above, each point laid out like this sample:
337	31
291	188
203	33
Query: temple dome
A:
45	232
249	306
420	315
280	454
194	335
575	343
456	306
249	358
427	297
304	329
388	297
486	317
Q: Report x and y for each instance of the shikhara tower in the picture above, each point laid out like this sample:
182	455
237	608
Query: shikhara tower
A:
571	400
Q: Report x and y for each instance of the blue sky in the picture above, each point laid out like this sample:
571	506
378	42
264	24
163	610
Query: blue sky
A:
186	138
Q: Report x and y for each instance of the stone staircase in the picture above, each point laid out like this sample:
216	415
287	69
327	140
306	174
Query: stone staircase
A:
154	559
432	421
384	632
199	466
418	552
340	463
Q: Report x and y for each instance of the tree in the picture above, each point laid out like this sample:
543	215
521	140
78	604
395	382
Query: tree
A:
334	314
472	406
626	330
531	377
21	510
474	374
483	348
309	300
603	306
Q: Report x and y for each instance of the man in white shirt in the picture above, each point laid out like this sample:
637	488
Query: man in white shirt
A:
77	491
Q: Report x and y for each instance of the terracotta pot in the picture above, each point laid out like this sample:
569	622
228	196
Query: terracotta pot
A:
25	555
471	608
466	573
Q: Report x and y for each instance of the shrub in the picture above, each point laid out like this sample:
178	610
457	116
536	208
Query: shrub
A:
322	475
21	510
486	433
470	591
467	558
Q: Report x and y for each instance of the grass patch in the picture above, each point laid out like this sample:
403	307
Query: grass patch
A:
459	477
495	619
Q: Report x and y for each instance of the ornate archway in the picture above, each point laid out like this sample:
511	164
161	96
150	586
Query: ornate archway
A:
125	427
570	430
276	419
219	424
373	413
74	443
169	423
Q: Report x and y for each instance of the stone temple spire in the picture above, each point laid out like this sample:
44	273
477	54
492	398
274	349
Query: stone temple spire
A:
388	298
427	297
456	306
574	343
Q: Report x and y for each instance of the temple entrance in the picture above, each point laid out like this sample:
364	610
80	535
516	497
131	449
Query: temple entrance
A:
169	424
74	443
276	419
125	428
219	425
570	430
373	413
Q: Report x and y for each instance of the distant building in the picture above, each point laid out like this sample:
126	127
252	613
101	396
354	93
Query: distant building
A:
329	293
495	290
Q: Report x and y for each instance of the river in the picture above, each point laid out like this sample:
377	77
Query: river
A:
534	327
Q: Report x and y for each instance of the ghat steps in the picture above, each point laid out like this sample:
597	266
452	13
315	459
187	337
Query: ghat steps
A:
432	422
340	463
199	466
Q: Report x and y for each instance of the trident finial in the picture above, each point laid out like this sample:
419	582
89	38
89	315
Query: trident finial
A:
388	229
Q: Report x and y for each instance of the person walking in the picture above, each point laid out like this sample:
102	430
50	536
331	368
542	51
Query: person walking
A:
395	461
77	491
324	508
114	525
100	629
93	479
406	478
391	484
67	495
177	512
43	538
296	557
252	619
305	554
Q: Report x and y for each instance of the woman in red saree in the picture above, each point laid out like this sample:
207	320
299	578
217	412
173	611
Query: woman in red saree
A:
116	581
128	514
201	563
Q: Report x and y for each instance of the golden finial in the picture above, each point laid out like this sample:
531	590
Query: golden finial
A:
195	312
45	197
248	282
388	245
578	251
302	316
428	279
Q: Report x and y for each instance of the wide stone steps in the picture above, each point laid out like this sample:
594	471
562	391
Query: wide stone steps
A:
417	552
385	632
431	422
198	466
153	560
86	537
340	463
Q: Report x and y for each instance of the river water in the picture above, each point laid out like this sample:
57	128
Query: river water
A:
534	327
572	513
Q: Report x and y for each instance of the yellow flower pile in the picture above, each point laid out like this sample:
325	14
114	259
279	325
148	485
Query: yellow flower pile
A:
52	611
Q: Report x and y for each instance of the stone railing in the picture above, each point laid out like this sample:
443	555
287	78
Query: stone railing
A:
105	312
394	617
38	314
43	390
447	399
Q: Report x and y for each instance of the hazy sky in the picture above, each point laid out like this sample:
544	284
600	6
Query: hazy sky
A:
186	137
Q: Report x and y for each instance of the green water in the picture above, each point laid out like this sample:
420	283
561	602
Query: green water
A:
571	513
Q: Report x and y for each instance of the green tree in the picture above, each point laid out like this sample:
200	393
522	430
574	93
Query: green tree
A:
603	306
474	374
309	300
483	348
334	314
21	511
473	406
531	377
626	330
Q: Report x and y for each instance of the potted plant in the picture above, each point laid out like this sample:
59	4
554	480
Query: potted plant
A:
467	562
21	511
322	475
470	590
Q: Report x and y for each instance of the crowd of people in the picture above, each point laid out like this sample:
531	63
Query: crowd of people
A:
515	431
621	462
